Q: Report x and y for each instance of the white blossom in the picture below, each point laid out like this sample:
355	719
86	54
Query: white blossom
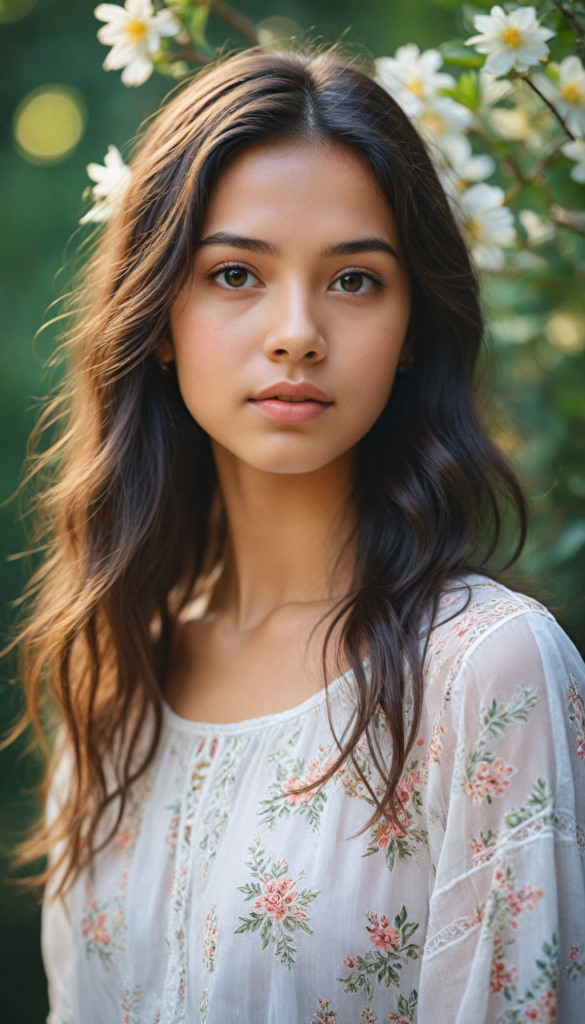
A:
134	32
413	78
462	167
112	180
576	151
568	94
528	121
442	121
492	90
514	40
538	229
487	225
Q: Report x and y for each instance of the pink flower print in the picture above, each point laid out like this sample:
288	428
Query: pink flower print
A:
349	961
210	939
420	743
543	1009
525	899
489	780
276	898
383	935
279	905
483	849
294	783
574	953
123	839
502	975
318	771
464	625
93	928
100	934
391	830
436	744
325	1014
576	715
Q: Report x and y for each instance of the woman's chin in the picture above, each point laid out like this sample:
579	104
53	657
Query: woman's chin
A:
290	455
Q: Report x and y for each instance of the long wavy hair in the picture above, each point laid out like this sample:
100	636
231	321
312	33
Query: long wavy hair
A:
127	513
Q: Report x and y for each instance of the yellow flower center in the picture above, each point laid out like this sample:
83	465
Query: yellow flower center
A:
511	37
474	229
416	87
136	30
571	93
433	122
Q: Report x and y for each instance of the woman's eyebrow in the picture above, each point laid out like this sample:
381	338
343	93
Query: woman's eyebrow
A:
360	245
240	242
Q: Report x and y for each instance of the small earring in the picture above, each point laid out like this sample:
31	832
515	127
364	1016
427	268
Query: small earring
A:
165	367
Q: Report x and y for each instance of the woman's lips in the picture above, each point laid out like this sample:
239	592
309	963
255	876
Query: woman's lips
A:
288	402
290	411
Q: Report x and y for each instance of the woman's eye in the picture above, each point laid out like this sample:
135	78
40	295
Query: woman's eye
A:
236	277
353	282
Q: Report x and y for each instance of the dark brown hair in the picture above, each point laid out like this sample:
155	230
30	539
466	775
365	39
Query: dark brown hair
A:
127	512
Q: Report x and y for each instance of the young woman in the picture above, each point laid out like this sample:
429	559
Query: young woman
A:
313	767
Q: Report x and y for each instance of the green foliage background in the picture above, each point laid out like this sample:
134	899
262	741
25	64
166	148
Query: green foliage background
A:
539	392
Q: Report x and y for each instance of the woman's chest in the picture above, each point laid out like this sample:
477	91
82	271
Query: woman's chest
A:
230	895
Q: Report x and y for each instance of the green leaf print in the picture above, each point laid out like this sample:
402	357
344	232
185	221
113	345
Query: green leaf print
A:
391	950
324	1013
406	1009
279	907
539	1001
484	775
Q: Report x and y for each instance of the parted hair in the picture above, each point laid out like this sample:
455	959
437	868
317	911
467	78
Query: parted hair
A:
126	512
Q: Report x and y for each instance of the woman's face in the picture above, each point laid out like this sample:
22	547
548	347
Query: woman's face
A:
288	335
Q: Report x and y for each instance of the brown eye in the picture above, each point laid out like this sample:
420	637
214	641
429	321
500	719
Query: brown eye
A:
353	281
235	277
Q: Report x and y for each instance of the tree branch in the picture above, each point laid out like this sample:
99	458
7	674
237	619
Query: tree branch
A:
550	105
573	19
189	55
568	219
240	22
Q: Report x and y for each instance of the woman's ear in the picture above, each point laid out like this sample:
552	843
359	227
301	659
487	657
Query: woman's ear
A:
165	354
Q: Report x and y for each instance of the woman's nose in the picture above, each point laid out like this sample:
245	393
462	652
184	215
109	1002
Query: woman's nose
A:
294	333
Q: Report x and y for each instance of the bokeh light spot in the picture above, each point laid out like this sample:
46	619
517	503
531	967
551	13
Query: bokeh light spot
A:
49	123
14	10
276	31
566	331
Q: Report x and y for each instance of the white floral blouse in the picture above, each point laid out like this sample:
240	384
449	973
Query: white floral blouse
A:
227	897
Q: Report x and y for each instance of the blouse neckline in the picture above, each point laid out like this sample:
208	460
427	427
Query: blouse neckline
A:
247	725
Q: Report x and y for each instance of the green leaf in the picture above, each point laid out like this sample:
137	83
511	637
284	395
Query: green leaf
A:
466	91
196	23
455	52
408	930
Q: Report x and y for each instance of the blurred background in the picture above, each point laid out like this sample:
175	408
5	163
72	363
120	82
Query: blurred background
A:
59	112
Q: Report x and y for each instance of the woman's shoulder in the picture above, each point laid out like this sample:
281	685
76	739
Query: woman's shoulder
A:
483	624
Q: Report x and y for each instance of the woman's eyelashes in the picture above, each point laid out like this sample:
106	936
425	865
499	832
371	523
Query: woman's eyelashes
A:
237	277
356	282
233	277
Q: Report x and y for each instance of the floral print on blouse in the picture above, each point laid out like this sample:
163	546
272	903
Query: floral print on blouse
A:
226	895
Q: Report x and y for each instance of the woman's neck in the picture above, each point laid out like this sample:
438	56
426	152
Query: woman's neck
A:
287	537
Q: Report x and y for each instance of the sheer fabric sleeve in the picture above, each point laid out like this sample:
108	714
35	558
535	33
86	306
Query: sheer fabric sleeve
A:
57	939
506	936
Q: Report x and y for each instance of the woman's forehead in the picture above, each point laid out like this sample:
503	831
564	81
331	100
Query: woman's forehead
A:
304	187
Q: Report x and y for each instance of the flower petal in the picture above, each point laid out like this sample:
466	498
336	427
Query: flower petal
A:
110	12
139	69
500	62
